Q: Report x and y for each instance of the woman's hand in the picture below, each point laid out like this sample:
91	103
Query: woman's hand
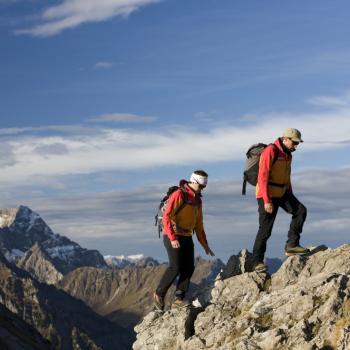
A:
208	251
175	244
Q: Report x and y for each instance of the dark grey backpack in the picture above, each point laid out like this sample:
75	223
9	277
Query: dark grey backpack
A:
164	202
251	169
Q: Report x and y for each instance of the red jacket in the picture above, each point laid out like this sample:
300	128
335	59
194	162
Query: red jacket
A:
274	176
188	219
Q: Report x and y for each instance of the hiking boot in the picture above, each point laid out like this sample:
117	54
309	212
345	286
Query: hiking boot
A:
260	267
180	303
158	302
297	250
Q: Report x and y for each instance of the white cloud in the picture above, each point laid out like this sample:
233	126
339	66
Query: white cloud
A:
104	65
72	13
122	222
123	118
108	149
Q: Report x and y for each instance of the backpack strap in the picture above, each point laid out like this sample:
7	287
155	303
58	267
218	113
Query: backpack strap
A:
244	186
275	155
181	206
184	200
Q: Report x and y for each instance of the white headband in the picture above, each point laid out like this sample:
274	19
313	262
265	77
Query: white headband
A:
199	179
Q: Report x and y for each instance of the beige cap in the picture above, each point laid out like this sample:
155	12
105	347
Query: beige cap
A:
293	134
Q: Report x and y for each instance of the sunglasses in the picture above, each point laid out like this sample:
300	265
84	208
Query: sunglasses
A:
201	187
295	143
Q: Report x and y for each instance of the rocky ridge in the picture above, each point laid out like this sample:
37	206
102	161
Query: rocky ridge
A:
126	295
59	318
305	305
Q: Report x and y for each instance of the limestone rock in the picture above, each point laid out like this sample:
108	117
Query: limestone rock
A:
176	327
305	305
243	262
37	262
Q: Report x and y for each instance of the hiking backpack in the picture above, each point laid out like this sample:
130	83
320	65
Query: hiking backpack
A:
251	169
163	203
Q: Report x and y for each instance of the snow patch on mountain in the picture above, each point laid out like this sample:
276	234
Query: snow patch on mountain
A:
14	255
65	252
122	261
32	219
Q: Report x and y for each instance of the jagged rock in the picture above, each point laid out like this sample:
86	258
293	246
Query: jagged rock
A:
230	298
298	268
20	229
243	262
38	263
304	306
177	328
237	264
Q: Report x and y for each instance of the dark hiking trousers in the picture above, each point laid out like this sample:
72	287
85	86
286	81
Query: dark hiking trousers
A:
292	206
181	263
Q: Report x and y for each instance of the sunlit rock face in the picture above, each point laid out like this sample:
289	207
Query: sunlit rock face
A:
305	305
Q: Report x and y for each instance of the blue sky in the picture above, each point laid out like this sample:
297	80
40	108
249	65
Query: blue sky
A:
104	104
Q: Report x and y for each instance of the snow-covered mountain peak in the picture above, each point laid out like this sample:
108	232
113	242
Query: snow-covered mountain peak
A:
26	239
24	220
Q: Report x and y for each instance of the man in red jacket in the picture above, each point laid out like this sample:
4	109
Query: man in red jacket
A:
274	190
179	226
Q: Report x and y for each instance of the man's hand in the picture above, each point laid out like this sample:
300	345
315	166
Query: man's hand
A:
208	251
175	244
268	208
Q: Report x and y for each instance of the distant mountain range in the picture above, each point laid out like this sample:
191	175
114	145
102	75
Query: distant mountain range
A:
126	295
43	274
123	261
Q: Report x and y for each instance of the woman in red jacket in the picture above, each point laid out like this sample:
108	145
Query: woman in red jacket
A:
179	226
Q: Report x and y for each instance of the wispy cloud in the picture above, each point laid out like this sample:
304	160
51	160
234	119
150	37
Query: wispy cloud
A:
104	65
123	118
72	13
65	129
51	149
107	149
332	101
121	222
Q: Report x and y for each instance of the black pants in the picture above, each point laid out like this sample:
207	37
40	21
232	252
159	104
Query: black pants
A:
292	206
181	263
